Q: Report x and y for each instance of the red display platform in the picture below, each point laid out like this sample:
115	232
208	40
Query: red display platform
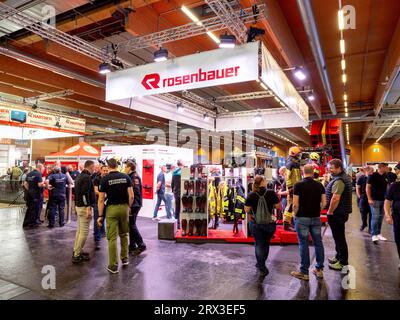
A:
281	236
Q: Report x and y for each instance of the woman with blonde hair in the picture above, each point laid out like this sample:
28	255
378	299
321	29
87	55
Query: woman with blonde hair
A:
259	207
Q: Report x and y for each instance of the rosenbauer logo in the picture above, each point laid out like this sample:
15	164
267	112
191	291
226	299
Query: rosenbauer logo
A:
154	81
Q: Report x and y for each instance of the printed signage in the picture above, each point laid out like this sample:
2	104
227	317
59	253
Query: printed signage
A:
40	120
200	70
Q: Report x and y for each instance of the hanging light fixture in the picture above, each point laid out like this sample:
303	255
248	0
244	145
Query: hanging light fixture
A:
299	73
179	107
161	55
311	96
105	68
206	117
227	41
257	118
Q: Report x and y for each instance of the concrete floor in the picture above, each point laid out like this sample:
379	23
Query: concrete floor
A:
168	270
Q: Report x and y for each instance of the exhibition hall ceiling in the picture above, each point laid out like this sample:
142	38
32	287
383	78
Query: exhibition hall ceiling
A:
371	57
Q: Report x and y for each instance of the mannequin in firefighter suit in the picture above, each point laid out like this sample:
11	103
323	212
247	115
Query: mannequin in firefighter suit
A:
239	201
314	161
215	200
293	175
57	184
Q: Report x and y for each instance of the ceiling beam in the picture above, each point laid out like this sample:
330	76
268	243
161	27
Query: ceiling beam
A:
390	70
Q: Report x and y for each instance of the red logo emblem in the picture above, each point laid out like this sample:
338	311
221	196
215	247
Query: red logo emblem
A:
151	81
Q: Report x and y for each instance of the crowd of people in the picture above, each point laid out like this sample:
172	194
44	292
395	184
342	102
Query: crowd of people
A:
101	191
378	196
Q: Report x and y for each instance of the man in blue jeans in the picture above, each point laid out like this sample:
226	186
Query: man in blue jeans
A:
376	190
160	191
308	199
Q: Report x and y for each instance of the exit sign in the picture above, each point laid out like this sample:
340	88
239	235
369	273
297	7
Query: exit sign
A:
376	150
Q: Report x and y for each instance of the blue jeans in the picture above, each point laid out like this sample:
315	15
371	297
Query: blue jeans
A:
160	197
169	197
262	234
377	213
98	232
305	226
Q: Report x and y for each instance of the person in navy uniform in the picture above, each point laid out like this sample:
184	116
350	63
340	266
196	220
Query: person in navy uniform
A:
34	198
57	183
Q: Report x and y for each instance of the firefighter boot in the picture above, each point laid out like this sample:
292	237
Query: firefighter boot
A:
197	224
192	171
191	227
184	227
191	188
287	221
198	188
185	203
190	205
186	186
204	224
198	204
204	187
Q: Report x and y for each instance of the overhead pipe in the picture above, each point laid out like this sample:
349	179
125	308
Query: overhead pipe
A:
308	19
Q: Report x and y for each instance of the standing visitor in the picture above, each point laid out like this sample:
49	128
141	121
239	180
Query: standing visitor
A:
363	204
376	189
176	189
308	200
136	244
34	199
84	203
259	206
339	205
117	187
392	211
16	173
391	176
57	184
160	191
169	196
98	232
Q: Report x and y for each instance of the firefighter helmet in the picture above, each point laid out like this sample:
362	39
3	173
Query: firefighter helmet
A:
294	151
314	156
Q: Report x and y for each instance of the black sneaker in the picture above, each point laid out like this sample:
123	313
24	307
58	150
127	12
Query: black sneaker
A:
363	227
62	225
132	249
125	262
50	226
263	272
140	249
332	260
77	260
113	269
85	255
97	246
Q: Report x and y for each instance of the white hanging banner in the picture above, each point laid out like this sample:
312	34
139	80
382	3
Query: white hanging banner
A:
200	70
273	76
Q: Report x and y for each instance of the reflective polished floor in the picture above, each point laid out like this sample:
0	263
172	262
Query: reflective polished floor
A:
168	270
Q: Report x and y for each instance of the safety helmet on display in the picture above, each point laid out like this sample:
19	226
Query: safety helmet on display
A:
314	156
294	151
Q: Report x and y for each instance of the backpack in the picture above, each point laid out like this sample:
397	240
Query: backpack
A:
263	215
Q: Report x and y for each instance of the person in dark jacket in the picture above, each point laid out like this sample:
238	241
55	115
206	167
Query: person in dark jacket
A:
136	244
339	206
176	190
84	203
57	183
98	233
34	200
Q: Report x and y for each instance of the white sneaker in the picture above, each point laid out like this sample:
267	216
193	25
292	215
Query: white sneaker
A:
375	239
381	237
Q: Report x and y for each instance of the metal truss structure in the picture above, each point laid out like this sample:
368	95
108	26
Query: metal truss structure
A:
254	111
244	96
50	95
187	104
192	29
49	32
207	103
224	10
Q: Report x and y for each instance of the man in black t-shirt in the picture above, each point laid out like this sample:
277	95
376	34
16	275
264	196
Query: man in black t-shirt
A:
363	205
392	211
118	188
391	176
376	190
308	200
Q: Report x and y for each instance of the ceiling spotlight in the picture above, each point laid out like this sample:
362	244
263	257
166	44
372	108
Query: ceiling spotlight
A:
206	117
257	118
105	68
342	47
298	72
344	78
35	106
311	96
180	107
253	33
161	55
346	114
227	41
343	64
345	97
340	19
345	104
